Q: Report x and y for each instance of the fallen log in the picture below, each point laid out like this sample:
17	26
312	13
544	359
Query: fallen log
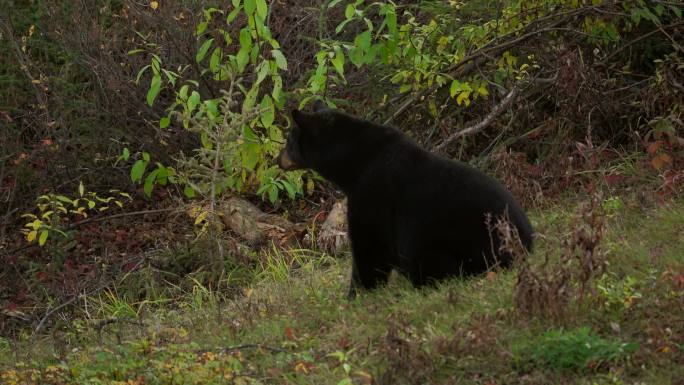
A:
257	227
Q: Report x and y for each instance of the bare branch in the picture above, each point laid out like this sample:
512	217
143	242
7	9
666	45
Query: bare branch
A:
128	214
470	62
496	111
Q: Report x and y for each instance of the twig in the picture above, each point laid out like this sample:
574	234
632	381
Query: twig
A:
496	111
243	346
132	213
638	39
101	323
253	346
65	304
471	61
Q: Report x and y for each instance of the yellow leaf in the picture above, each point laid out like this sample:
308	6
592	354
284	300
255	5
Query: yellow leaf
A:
201	217
35	224
154	4
300	367
43	237
463	97
31	236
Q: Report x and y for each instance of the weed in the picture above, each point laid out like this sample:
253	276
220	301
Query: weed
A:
547	290
113	306
408	362
617	294
578	350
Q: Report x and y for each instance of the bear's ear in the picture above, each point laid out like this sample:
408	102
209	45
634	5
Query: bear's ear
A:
301	118
319	106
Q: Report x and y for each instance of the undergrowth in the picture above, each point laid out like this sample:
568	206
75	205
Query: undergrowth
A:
293	325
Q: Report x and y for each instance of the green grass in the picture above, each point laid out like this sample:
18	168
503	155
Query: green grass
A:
293	324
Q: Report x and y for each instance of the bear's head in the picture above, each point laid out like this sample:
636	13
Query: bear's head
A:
306	137
336	145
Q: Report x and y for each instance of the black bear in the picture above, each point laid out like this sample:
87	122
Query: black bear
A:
408	209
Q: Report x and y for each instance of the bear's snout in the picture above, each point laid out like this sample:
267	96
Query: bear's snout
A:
285	161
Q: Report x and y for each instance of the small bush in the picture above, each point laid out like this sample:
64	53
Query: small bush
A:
579	350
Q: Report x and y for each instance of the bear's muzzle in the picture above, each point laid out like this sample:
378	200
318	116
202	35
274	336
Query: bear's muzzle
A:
285	161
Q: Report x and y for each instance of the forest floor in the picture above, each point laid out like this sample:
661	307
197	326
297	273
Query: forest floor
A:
294	325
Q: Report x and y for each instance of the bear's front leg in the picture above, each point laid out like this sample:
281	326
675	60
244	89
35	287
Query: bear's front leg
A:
370	265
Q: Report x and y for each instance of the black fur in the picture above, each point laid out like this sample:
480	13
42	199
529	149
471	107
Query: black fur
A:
409	209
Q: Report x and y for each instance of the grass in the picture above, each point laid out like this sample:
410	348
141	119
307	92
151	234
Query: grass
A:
293	324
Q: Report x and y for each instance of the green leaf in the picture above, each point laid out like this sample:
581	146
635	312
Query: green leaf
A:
140	73
277	88
291	191
262	9
215	60
201	27
341	25
206	141
267	111
334	3
212	108
273	194
233	14
245	39
262	71
172	76
250	7
338	61
126	153
43	237
149	182
189	191
250	99
164	122
363	40
183	93
64	199
455	88
349	11
356	56
193	101
202	52
155	86
156	64
146	156
263	188
242	60
138	170
281	62
250	155
391	19
81	189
